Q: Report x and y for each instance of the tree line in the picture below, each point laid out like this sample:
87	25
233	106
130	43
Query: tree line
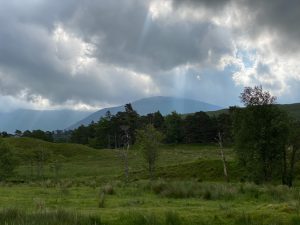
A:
193	128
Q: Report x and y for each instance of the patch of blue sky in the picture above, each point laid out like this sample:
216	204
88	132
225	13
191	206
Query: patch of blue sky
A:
247	56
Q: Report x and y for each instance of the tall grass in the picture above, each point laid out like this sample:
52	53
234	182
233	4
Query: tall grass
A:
136	218
60	217
224	191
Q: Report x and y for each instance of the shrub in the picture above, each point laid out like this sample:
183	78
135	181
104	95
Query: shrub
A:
108	189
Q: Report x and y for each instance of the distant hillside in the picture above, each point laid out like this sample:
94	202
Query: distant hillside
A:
24	119
165	105
292	109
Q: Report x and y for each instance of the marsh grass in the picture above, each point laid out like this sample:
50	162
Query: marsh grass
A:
137	218
60	217
226	191
172	218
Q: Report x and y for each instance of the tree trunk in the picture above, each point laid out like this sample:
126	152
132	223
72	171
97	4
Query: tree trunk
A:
292	167
125	157
220	141
284	172
108	144
116	144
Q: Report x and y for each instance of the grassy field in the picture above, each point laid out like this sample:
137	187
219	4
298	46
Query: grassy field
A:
89	189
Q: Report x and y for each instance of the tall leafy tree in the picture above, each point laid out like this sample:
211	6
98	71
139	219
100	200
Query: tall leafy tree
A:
80	135
174	128
148	140
292	153
199	128
261	134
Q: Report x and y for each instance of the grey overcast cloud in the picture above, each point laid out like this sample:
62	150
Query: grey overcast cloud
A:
91	54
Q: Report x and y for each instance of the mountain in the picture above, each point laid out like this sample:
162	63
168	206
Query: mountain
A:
165	105
24	119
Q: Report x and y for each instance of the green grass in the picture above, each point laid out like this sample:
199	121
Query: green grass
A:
189	189
227	202
81	163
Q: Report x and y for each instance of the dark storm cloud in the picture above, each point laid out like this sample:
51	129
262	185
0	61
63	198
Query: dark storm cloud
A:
131	38
134	53
123	34
211	4
280	18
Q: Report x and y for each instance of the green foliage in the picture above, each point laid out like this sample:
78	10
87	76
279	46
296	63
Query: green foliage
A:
38	134
8	161
199	128
261	134
174	128
148	140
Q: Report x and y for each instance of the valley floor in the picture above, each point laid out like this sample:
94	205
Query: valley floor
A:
189	189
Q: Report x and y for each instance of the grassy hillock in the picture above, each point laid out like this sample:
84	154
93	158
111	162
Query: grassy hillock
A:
79	162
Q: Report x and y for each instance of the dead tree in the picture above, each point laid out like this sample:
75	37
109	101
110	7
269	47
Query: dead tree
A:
220	142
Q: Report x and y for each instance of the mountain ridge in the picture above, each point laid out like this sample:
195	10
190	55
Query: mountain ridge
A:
164	104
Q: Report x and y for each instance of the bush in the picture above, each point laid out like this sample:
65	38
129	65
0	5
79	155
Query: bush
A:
108	189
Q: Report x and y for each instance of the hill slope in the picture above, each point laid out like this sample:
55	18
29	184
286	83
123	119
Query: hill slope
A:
24	119
292	109
144	106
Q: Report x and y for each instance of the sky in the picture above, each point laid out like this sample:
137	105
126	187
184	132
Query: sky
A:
90	54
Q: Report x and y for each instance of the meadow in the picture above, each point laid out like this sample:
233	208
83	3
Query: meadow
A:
87	187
